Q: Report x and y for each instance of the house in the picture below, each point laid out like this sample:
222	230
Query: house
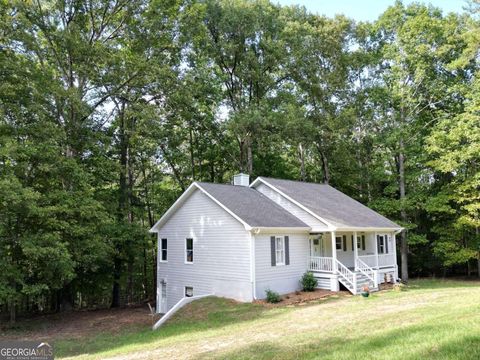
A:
237	241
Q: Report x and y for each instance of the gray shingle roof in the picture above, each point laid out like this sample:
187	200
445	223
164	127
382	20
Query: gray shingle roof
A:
332	205
251	206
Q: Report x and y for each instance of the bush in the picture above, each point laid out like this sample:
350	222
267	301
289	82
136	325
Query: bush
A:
272	296
308	282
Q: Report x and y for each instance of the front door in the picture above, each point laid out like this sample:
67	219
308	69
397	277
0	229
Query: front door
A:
317	246
163	298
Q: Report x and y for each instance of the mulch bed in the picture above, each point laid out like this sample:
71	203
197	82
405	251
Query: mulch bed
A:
304	297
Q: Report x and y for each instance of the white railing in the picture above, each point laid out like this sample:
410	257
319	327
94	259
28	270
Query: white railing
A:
383	260
319	263
347	275
367	271
369	260
386	260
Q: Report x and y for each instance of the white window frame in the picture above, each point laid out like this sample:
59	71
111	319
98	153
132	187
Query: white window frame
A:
336	242
162	250
381	244
186	252
281	251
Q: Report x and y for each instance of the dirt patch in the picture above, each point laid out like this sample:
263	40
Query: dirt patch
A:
77	324
303	297
385	286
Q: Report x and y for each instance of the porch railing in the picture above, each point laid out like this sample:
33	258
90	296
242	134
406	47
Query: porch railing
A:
349	278
319	263
367	271
384	260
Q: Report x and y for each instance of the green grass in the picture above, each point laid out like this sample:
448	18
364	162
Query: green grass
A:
432	319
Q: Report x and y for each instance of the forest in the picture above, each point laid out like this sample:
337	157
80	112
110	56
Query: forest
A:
110	109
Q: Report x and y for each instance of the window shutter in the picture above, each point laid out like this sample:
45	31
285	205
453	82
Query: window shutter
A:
363	242
353	244
386	243
272	250
287	251
378	244
344	243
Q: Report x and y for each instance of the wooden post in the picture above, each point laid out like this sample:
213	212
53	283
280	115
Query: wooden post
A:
355	250
334	281
334	251
394	237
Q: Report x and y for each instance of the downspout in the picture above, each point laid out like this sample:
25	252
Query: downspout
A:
252	263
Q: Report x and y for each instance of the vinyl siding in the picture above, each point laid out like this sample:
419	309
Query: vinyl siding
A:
307	218
221	252
283	278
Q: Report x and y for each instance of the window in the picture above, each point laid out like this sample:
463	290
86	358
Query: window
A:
163	250
189	251
188	291
381	244
338	243
280	250
361	242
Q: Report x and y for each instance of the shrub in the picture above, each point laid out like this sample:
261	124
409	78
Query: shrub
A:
272	296
308	282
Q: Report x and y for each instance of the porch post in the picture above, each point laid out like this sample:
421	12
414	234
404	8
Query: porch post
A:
375	272
394	237
334	252
334	286
355	250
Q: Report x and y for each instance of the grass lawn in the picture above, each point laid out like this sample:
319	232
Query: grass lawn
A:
432	319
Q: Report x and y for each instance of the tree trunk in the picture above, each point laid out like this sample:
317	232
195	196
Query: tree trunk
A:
155	262
192	155
249	157
145	275
117	264
301	154
477	232
403	213
13	311
130	281
122	205
325	170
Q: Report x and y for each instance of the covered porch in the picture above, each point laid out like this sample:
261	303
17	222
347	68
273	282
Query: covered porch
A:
354	256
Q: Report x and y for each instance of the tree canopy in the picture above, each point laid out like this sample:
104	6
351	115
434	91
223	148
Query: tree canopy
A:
110	109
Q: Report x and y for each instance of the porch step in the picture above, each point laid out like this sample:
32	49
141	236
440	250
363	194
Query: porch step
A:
362	280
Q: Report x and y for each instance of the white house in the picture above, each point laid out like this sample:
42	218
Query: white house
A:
238	240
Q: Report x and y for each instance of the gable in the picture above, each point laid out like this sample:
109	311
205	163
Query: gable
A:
197	213
329	205
316	224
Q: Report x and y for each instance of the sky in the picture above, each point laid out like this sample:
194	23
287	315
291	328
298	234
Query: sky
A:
365	10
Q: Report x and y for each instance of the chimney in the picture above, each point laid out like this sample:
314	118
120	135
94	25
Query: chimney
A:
241	179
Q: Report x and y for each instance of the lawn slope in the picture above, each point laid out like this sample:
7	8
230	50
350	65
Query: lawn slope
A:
431	320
